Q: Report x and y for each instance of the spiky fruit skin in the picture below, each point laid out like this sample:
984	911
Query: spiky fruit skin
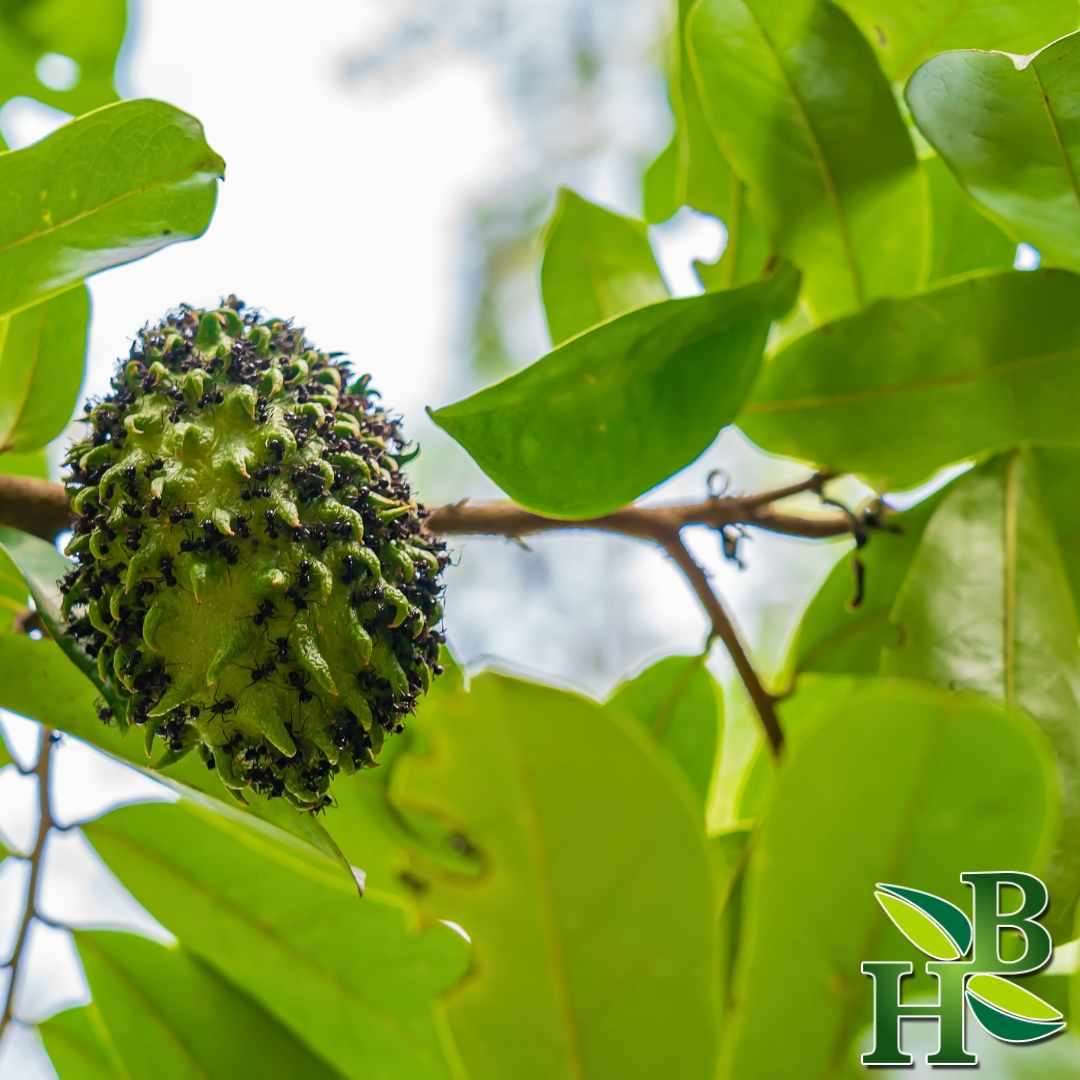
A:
254	579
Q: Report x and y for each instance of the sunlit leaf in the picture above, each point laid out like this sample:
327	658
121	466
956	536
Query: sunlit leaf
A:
163	1014
107	188
827	159
619	408
914	384
678	703
906	32
987	607
1004	126
597	264
594	909
873	793
42	349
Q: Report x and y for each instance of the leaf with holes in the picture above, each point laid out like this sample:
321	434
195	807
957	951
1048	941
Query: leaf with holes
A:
1006	127
106	189
802	111
42	349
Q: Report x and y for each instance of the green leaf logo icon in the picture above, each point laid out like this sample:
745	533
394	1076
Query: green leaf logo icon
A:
935	926
1009	1012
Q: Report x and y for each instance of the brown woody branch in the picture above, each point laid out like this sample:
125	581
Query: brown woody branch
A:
41	508
45	823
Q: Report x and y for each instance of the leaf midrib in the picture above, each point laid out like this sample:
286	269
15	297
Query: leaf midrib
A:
388	1022
829	183
1052	120
760	408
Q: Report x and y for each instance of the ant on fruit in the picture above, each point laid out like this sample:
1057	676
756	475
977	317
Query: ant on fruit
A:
299	681
266	611
282	645
220	708
167	571
263	672
242	526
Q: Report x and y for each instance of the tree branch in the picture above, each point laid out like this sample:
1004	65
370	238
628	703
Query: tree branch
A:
45	823
35	506
724	629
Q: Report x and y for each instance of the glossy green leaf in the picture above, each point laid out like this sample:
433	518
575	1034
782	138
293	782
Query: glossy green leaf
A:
597	264
836	638
1006	995
107	188
801	109
593	918
986	607
691	171
895	808
1059	471
90	32
616	410
1009	134
346	975
1009	1028
914	384
678	703
906	32
963	239
163	1014
42	349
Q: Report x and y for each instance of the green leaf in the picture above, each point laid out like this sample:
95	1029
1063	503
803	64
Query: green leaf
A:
935	926
835	638
659	192
914	384
596	265
163	1014
800	108
618	409
1006	995
90	32
895	807
35	464
346	975
107	188
679	704
905	33
1007	133
42	349
986	607
1059	470
593	919
963	239
56	684
1009	1028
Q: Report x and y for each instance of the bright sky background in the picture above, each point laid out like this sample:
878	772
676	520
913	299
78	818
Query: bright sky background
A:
346	204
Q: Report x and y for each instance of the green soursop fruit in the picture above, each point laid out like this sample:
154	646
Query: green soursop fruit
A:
254	578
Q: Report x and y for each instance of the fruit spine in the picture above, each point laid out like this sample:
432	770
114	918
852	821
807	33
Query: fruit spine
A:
253	576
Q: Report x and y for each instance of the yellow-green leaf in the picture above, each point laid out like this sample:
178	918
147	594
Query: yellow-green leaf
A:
918	928
1011	998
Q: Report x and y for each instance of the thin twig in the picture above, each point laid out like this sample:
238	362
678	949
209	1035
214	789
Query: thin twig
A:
724	629
45	823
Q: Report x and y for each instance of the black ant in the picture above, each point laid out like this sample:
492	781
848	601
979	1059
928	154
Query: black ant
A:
282	644
242	526
176	515
174	416
293	594
220	708
154	466
277	448
263	672
266	611
231	553
304	580
271	523
299	682
154	507
167	570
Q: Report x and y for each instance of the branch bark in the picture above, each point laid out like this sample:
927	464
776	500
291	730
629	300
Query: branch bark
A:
35	506
45	823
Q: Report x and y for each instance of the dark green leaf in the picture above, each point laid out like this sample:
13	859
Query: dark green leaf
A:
62	693
346	975
907	32
963	239
1013	1029
895	808
801	109
834	638
90	32
987	607
616	410
1008	134
163	1014
42	349
597	264
105	189
592	923
679	704
914	384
